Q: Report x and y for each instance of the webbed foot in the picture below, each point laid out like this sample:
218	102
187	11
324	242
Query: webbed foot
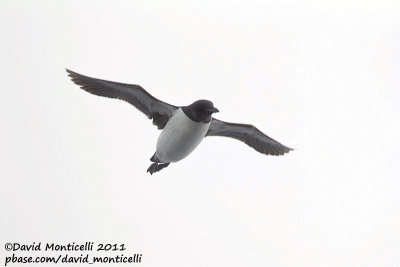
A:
156	167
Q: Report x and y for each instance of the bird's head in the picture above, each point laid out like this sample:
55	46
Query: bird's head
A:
200	110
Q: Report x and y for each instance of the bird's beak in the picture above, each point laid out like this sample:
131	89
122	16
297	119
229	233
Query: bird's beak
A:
213	110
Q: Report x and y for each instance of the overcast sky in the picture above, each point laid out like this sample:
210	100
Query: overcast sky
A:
320	77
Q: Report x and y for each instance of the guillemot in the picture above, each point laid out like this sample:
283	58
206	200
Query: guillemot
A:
183	127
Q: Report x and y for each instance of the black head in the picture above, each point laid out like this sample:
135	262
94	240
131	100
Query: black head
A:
200	111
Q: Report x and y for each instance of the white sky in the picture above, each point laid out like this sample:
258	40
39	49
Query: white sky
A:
320	77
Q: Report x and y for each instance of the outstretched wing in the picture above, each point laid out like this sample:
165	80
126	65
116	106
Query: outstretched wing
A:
134	94
248	134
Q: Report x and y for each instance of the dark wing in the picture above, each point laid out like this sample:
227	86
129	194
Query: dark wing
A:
249	134
134	94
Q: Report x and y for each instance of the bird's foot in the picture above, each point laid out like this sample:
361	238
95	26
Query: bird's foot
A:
153	168
156	167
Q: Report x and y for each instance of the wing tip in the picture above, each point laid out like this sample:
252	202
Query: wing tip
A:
281	152
71	73
82	81
287	150
68	71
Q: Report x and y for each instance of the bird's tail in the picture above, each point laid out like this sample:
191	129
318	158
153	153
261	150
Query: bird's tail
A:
154	158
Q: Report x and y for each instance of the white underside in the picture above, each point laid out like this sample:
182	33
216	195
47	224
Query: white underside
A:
180	137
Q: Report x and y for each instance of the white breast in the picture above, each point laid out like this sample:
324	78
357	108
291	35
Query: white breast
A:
180	137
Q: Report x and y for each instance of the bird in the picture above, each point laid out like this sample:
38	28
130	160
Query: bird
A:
183	127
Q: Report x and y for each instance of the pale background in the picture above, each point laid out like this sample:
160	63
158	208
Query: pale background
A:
322	77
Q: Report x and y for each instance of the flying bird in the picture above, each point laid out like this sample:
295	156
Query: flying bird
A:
183	127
